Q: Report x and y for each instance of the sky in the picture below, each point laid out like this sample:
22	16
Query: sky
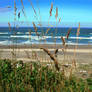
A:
71	13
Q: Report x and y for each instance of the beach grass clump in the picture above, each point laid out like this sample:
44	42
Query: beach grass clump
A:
35	77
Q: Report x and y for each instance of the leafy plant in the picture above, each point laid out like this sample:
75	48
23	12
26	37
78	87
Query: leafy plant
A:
35	77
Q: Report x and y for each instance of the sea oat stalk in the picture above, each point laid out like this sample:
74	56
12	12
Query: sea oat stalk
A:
35	28
51	9
56	13
9	26
67	36
63	40
52	58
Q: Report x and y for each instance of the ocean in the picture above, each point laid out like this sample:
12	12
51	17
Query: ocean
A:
21	36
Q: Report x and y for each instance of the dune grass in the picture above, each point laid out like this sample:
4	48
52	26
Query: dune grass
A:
35	77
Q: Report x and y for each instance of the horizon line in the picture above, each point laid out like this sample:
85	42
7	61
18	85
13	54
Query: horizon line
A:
42	27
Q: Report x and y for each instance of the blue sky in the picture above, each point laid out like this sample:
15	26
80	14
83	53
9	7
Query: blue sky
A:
71	12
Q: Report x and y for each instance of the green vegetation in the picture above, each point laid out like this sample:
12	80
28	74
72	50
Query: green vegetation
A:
35	77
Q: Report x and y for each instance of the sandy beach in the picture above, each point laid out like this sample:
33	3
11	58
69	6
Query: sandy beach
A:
50	46
27	53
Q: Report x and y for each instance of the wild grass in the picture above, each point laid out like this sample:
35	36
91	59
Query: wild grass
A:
51	9
9	26
68	33
56	13
35	77
52	57
35	28
39	77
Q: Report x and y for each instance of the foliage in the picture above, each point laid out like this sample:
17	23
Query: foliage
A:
20	77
